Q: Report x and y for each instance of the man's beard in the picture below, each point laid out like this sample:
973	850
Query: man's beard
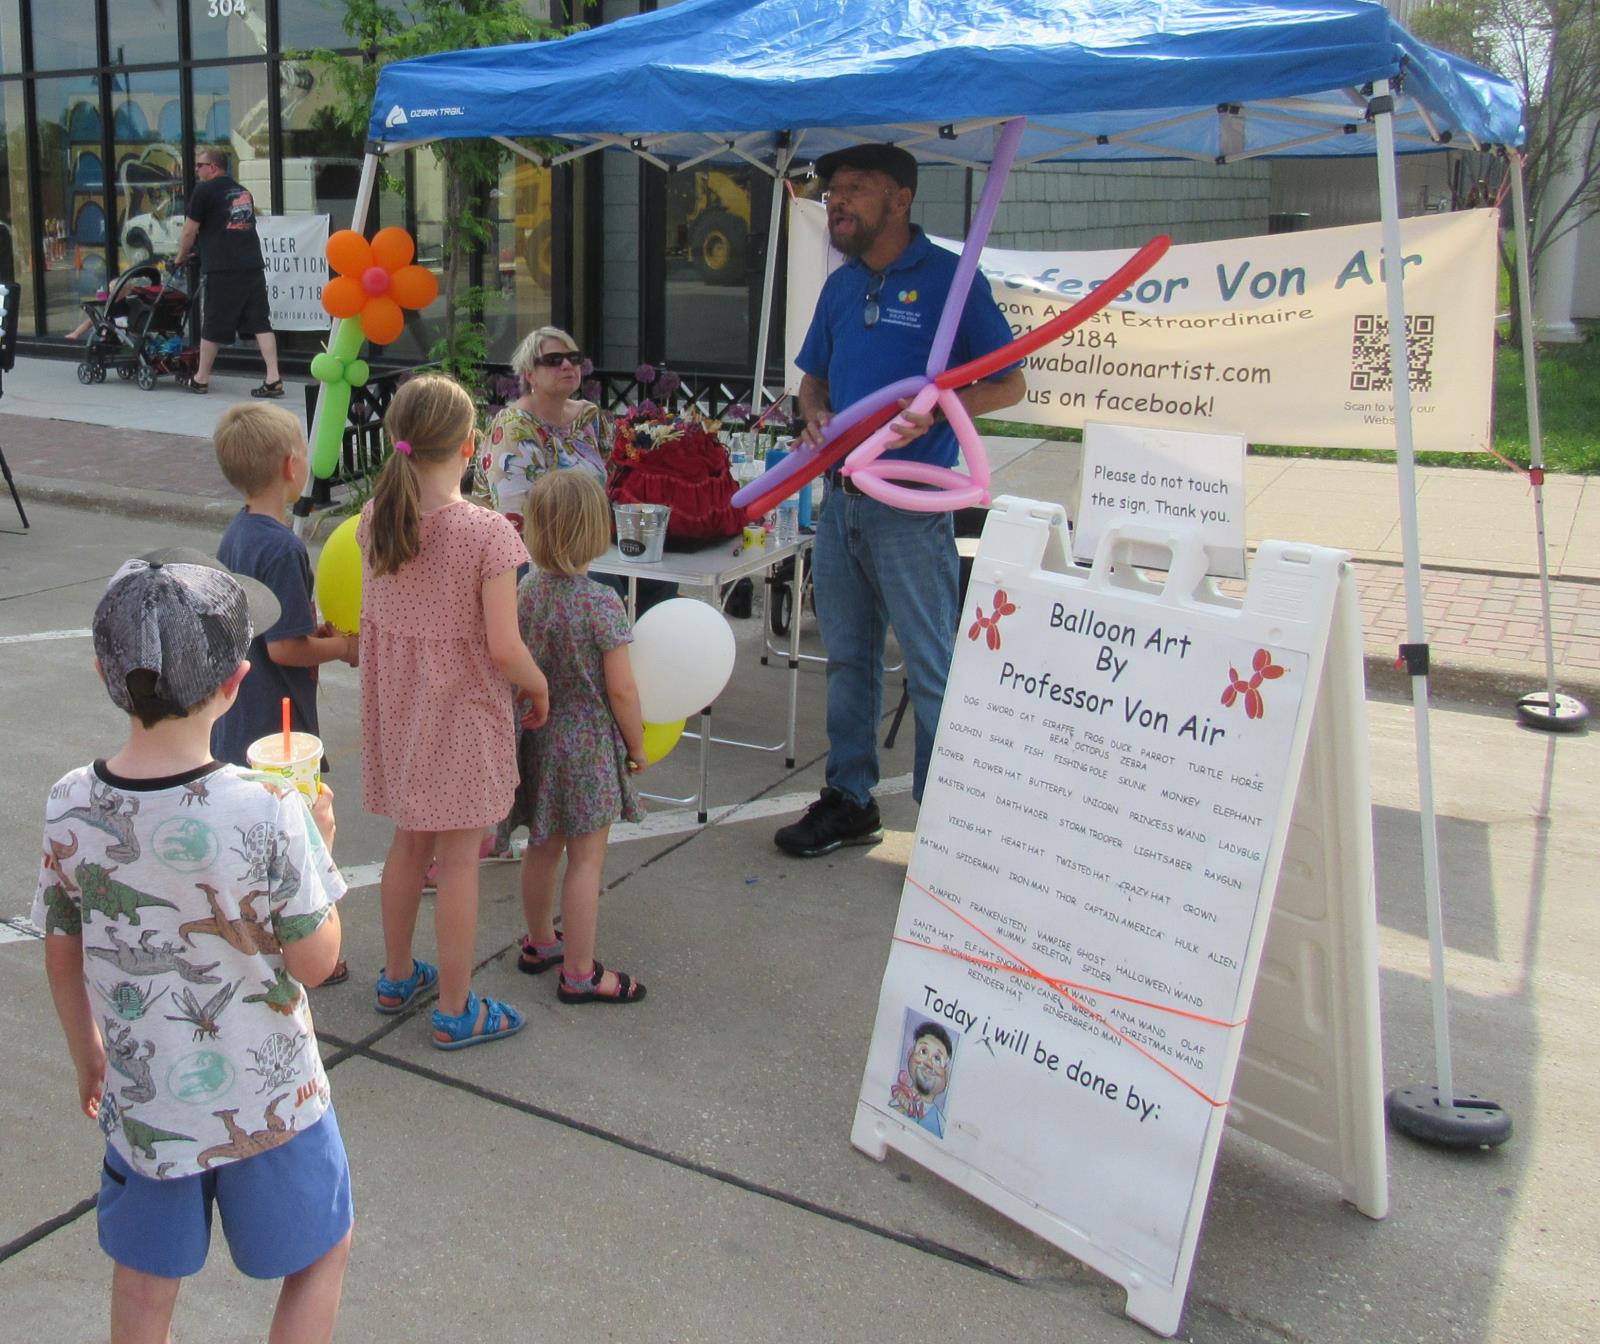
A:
928	1082
858	242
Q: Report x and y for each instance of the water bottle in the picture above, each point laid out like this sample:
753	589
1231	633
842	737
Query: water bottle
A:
788	528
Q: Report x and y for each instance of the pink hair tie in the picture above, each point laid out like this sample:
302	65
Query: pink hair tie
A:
401	446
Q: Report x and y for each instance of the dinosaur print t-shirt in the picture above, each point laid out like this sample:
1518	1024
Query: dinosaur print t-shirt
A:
184	891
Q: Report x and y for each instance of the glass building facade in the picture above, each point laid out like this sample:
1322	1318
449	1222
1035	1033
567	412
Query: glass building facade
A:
104	102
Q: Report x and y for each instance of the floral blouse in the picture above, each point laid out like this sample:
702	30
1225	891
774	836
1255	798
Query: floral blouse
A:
520	447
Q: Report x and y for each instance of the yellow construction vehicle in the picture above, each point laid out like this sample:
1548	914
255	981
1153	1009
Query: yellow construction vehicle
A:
718	226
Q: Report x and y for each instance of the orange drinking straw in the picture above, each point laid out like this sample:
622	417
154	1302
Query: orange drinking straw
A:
286	751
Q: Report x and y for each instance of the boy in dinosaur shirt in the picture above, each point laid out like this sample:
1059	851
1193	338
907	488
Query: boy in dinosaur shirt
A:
185	903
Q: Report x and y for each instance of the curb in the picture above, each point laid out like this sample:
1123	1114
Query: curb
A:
1489	681
127	501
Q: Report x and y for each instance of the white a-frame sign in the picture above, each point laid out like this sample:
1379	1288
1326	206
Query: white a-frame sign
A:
1111	806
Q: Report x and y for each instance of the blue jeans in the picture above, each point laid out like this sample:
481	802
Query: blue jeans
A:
877	567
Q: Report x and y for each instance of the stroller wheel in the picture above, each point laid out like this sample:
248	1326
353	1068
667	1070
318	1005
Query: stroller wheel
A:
781	613
147	378
85	372
99	372
124	371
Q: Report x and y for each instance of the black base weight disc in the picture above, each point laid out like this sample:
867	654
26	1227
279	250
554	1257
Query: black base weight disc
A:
1471	1122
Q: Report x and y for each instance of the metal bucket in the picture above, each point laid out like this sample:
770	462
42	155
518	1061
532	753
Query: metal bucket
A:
641	530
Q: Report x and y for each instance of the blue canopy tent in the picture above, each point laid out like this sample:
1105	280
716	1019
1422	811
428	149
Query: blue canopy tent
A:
787	80
774	84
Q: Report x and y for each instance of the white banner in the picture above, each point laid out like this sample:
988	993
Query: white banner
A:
295	248
1282	338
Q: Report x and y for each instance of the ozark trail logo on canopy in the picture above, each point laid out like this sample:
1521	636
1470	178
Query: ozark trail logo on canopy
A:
396	117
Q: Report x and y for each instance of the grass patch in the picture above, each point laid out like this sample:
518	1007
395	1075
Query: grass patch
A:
1569	402
1569	406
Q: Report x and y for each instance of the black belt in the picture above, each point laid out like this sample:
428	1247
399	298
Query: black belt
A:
839	481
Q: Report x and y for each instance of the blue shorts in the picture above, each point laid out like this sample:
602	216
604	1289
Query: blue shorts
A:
282	1210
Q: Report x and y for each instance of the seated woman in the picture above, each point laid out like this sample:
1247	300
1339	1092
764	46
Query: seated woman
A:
549	427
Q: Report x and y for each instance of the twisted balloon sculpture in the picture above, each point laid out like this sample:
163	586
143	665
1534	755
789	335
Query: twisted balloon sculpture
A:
861	432
373	283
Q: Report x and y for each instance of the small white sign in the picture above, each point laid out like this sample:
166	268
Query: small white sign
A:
1175	478
295	249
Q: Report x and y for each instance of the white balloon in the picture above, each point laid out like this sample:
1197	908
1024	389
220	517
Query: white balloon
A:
682	655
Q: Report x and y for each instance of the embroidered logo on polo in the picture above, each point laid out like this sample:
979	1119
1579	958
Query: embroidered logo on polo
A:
907	314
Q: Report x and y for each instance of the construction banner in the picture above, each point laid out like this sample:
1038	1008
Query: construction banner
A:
294	248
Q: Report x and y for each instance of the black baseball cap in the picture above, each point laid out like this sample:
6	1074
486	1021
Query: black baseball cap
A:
890	160
182	615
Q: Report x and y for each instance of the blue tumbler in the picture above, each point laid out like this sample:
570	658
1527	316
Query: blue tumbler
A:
775	456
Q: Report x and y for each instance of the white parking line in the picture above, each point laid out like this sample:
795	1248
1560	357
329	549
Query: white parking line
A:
19	930
46	634
674	822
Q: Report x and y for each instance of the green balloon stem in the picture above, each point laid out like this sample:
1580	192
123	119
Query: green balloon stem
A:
335	407
335	410
347	339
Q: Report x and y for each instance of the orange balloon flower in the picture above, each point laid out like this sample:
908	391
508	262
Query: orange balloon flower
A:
376	280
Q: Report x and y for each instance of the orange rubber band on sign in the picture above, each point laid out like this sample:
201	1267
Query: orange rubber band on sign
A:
1061	987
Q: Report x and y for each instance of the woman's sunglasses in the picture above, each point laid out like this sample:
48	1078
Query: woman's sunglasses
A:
556	358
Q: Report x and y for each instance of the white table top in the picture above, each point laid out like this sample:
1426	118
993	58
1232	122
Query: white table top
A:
719	563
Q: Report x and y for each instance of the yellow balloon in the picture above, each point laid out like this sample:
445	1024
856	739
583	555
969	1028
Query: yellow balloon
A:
339	578
661	738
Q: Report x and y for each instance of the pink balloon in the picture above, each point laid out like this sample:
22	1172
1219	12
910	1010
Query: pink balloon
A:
880	476
953	489
375	280
885	438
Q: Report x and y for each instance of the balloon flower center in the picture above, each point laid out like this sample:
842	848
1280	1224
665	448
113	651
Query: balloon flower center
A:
375	280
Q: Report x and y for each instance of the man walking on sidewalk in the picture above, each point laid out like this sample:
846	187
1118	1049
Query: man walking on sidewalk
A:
222	221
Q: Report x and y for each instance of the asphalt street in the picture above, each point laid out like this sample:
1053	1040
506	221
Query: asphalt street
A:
684	1171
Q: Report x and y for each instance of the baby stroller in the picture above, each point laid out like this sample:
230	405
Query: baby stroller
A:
138	328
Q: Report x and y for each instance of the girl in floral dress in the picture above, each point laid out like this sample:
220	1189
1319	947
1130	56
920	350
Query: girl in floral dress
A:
576	770
441	663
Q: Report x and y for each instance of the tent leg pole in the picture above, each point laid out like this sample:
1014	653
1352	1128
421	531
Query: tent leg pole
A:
1551	710
758	378
369	179
1433	1114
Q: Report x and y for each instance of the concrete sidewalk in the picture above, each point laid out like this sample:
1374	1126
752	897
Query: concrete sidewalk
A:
114	447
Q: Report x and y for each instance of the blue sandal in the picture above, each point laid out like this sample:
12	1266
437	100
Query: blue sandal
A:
423	977
499	1019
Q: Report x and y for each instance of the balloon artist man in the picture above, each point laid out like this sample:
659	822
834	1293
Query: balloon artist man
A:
877	566
222	220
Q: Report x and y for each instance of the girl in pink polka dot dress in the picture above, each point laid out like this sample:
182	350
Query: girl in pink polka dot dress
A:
441	665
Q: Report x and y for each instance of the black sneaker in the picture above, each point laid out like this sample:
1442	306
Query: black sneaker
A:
830	822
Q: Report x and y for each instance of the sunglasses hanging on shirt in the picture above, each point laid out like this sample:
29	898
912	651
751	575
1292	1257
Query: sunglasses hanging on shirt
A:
869	314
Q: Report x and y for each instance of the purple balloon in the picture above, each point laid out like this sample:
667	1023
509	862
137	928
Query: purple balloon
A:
993	188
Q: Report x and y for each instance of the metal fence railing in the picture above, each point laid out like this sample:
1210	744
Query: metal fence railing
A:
364	448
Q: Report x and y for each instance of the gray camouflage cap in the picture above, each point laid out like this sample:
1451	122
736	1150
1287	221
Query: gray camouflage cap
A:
180	614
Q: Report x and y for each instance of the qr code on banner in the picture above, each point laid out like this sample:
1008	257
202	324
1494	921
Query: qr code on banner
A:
1369	353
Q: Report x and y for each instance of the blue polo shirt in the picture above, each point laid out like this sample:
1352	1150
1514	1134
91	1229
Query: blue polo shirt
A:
856	359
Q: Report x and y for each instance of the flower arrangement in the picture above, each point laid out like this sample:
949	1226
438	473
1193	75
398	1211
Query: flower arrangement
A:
646	427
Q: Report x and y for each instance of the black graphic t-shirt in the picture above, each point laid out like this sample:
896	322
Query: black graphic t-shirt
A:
226	214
